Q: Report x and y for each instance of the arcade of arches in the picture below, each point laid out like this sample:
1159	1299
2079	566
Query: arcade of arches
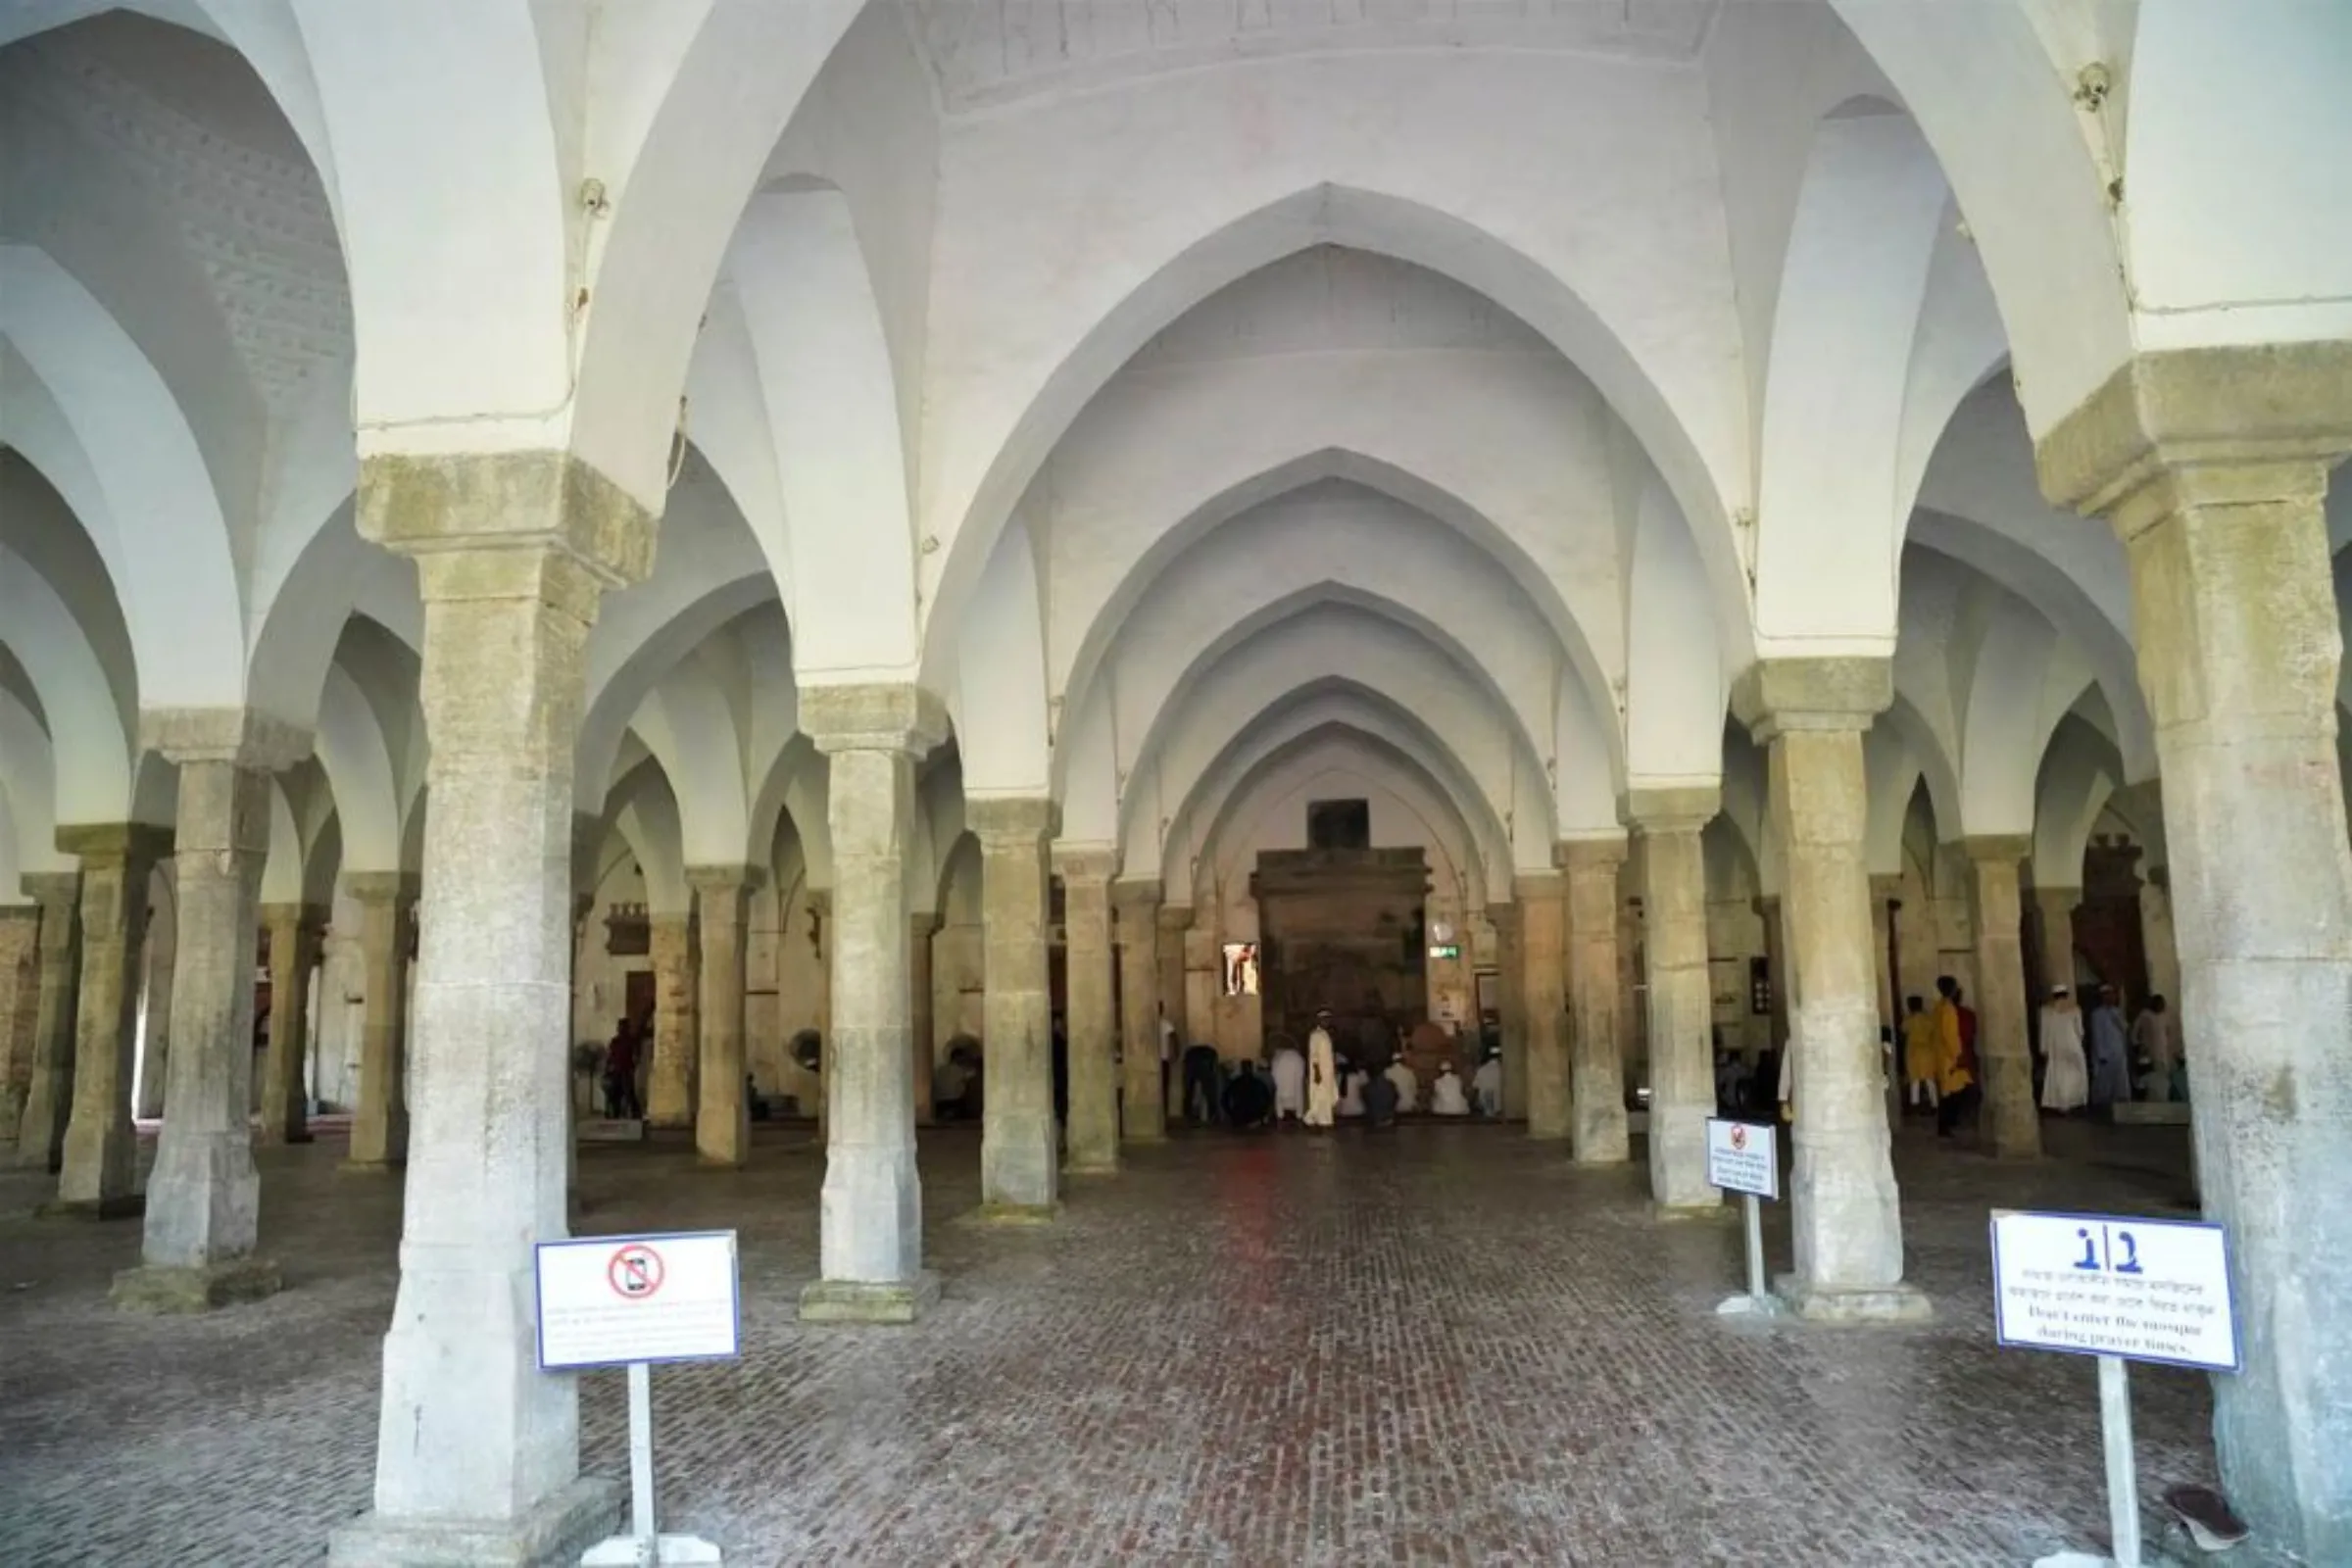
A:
884	519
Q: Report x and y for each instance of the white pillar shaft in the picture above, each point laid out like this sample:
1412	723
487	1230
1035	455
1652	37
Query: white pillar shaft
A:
1094	1026
1682	1084
1020	1139
722	1123
1143	1101
1597	1133
100	1172
40	1130
380	1121
1542	940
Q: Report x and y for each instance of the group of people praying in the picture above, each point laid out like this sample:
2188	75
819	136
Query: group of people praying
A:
2077	1067
1322	1086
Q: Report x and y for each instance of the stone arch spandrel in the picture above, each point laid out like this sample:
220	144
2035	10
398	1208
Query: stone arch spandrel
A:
1023	396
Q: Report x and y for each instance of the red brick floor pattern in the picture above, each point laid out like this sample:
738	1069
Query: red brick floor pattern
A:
1446	1346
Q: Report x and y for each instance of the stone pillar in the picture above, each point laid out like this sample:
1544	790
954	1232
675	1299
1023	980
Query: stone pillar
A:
20	1007
2012	1122
722	1120
1510	985
1886	897
921	926
40	1129
1094	1023
1142	940
871	1233
2158	939
1542	940
477	1451
203	1196
155	1041
669	1087
99	1176
1019	1143
1682	1066
1597	1133
380	1121
2057	907
1171	989
2212	466
294	932
1846	1215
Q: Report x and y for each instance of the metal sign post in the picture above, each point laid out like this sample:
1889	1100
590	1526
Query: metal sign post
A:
1743	1157
2125	1291
631	1301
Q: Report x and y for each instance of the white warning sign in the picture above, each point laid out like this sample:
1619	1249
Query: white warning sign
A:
608	1300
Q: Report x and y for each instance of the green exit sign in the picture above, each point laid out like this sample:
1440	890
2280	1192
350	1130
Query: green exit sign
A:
1445	949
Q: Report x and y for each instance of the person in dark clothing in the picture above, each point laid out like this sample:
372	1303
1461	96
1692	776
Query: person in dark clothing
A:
1249	1099
621	1100
1061	1070
1200	1093
1380	1100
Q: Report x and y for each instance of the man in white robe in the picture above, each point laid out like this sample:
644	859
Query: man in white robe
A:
1445	1097
2065	1074
1322	1074
1289	1084
1486	1085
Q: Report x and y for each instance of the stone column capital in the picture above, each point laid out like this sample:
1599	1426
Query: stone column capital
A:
1137	893
114	844
1085	862
923	925
1175	917
294	913
724	878
1998	849
873	717
27	914
1777	696
1574	856
1503	918
1017	822
241	737
384	887
1885	889
1529	887
52	889
2217	425
1683	808
544	506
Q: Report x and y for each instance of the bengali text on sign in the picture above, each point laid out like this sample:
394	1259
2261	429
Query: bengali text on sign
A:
2145	1290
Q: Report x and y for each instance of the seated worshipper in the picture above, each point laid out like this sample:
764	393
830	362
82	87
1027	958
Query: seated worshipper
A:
1445	1098
1409	1087
1249	1098
1202	1071
1352	1089
1380	1099
951	1097
1486	1085
1290	1083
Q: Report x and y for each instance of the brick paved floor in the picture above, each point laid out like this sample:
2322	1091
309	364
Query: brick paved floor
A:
1440	1347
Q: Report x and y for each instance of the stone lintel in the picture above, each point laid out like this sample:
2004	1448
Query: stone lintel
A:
2010	849
873	717
112	842
383	887
1013	822
52	889
1681	808
1778	695
1576	855
2262	421
1529	885
1085	862
524	503
241	737
724	878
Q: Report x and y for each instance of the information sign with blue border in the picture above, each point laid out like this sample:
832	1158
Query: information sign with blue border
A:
2146	1289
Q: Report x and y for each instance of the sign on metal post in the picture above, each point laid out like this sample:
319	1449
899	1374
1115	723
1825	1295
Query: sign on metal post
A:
2122	1291
1743	1157
631	1301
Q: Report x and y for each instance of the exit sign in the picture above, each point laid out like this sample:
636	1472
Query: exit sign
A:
1445	949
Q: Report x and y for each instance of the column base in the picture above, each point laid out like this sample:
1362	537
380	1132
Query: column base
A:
554	1534
1092	1167
869	1302
1156	1135
371	1167
997	1212
1713	1212
1819	1304
130	1205
205	1288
